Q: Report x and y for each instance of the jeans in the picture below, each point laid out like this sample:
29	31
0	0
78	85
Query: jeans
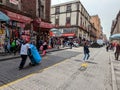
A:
24	58
86	56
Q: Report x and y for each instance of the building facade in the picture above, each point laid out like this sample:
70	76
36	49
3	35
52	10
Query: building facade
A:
115	28
95	20
32	15
40	11
72	19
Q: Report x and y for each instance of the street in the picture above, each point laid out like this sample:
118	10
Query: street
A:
10	72
60	71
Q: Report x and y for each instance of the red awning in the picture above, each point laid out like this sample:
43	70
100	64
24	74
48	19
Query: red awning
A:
18	17
39	23
46	25
68	34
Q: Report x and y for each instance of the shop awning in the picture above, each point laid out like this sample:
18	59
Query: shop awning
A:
46	25
4	17
18	17
68	34
39	23
55	32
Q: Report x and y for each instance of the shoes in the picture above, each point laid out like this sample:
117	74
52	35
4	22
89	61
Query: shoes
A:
20	68
31	64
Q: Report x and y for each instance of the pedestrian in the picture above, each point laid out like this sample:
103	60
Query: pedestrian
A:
86	51
70	44
117	51
107	47
23	53
44	48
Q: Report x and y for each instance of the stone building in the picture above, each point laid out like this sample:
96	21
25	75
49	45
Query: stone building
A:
95	20
115	28
72	19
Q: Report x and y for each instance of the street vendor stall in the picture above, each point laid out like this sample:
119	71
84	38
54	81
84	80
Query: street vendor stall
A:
3	20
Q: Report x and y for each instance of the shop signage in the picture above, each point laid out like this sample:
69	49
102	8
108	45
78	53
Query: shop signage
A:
14	2
46	25
18	17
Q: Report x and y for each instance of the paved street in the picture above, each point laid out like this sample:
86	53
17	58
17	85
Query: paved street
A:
65	73
9	68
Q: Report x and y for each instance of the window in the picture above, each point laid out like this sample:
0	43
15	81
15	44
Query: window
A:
77	6
57	11
42	11
57	21
68	21
0	1
81	21
68	8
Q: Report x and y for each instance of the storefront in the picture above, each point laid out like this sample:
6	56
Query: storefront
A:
3	29
42	28
17	25
13	27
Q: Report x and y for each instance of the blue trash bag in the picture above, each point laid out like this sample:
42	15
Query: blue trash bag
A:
34	55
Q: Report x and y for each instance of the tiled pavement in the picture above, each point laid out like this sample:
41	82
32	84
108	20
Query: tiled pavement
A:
116	68
68	76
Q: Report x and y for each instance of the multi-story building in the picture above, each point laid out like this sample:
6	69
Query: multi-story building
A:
40	11
32	15
92	32
95	20
18	19
115	28
72	19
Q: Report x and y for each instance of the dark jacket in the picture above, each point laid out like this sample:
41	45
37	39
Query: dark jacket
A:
117	49
86	49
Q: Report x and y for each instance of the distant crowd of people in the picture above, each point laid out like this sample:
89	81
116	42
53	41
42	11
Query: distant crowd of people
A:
115	47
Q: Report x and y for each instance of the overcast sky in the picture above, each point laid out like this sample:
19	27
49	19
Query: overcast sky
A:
106	9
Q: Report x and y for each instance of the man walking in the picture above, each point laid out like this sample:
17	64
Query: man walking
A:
86	51
117	51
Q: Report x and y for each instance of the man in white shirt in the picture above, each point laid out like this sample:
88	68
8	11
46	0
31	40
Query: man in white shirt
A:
23	53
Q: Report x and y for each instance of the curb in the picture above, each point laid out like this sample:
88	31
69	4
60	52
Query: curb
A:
114	83
18	56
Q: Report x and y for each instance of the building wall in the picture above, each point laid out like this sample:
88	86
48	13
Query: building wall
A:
47	9
77	12
12	4
37	8
29	6
96	22
115	28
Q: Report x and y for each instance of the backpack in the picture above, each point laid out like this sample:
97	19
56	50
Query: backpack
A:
13	44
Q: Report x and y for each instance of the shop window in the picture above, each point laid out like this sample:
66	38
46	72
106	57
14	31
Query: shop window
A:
68	8
57	11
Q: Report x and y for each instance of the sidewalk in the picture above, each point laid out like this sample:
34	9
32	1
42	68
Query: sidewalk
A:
4	57
115	66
